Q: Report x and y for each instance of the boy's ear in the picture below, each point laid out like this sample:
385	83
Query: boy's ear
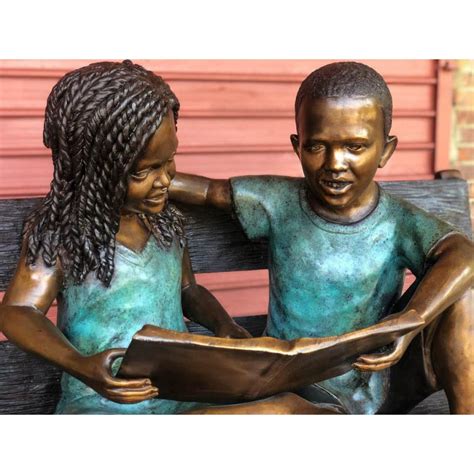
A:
389	148
295	142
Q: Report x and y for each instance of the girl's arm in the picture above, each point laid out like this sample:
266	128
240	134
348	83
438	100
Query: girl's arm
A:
23	321
201	191
201	306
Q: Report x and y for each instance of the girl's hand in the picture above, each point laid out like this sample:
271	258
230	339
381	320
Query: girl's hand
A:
96	372
233	330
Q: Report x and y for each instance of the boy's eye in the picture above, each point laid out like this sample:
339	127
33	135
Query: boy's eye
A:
316	148
141	175
355	147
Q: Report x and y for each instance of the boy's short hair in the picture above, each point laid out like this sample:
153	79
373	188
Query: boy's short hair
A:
347	79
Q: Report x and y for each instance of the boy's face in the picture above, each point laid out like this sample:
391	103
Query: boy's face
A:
341	143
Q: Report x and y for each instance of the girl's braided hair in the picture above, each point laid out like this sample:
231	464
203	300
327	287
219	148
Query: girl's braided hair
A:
98	122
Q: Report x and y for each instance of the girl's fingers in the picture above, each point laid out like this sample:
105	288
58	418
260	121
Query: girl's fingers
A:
132	395
115	382
112	354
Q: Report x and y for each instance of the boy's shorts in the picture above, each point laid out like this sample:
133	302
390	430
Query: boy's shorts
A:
411	380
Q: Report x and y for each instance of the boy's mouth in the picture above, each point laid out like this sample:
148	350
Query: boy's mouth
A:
335	186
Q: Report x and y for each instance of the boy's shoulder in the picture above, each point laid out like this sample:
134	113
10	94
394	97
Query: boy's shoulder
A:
267	183
409	214
260	201
267	190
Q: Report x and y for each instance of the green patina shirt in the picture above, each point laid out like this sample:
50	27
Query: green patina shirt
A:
145	289
327	279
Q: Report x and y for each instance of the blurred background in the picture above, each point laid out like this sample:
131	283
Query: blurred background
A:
236	117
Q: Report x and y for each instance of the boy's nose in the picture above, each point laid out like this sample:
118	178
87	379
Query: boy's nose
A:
335	160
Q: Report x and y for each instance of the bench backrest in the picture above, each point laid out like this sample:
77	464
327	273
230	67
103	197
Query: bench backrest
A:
216	243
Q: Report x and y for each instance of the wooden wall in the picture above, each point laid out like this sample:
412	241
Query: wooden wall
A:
236	118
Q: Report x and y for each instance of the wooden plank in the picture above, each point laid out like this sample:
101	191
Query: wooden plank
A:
435	404
27	176
297	69
216	98
26	132
217	243
444	105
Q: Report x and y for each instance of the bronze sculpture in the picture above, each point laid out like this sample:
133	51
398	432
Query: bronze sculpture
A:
330	182
339	245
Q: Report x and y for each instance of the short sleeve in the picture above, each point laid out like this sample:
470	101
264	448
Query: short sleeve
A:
255	199
420	232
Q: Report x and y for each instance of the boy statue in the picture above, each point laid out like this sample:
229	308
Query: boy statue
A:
339	247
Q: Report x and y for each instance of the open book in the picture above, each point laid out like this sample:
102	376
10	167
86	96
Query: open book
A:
191	367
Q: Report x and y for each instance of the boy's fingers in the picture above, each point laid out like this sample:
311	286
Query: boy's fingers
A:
392	356
377	358
371	367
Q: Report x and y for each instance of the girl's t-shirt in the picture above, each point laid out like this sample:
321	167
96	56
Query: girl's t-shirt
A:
145	289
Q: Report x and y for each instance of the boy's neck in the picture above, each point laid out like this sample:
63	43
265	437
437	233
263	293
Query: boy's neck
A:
350	214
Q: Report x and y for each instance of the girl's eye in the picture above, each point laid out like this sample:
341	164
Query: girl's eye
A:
141	175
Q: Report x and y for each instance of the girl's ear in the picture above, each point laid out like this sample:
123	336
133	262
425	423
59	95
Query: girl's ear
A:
390	145
295	143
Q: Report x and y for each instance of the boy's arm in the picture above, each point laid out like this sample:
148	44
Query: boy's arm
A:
201	191
201	306
450	275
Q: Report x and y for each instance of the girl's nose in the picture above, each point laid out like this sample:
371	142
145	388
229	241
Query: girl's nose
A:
162	181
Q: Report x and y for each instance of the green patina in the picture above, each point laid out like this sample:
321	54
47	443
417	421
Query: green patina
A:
327	279
145	289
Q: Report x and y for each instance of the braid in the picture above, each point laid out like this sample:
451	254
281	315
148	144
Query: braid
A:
98	122
166	225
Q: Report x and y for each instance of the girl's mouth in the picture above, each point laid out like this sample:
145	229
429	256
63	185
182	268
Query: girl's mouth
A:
157	199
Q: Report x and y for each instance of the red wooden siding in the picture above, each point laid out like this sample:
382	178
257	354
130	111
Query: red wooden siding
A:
236	118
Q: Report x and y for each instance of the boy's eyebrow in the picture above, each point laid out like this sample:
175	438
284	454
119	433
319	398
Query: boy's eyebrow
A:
359	139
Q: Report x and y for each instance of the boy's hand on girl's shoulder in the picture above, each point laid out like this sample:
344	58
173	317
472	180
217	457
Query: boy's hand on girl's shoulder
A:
96	372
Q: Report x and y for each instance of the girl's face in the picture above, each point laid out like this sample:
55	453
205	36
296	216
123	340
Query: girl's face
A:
149	182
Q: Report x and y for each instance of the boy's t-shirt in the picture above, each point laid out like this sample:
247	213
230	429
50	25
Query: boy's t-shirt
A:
327	279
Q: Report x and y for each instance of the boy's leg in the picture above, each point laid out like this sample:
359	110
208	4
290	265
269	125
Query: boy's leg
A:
441	357
452	354
281	404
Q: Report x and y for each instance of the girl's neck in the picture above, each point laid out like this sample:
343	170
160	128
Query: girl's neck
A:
132	232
